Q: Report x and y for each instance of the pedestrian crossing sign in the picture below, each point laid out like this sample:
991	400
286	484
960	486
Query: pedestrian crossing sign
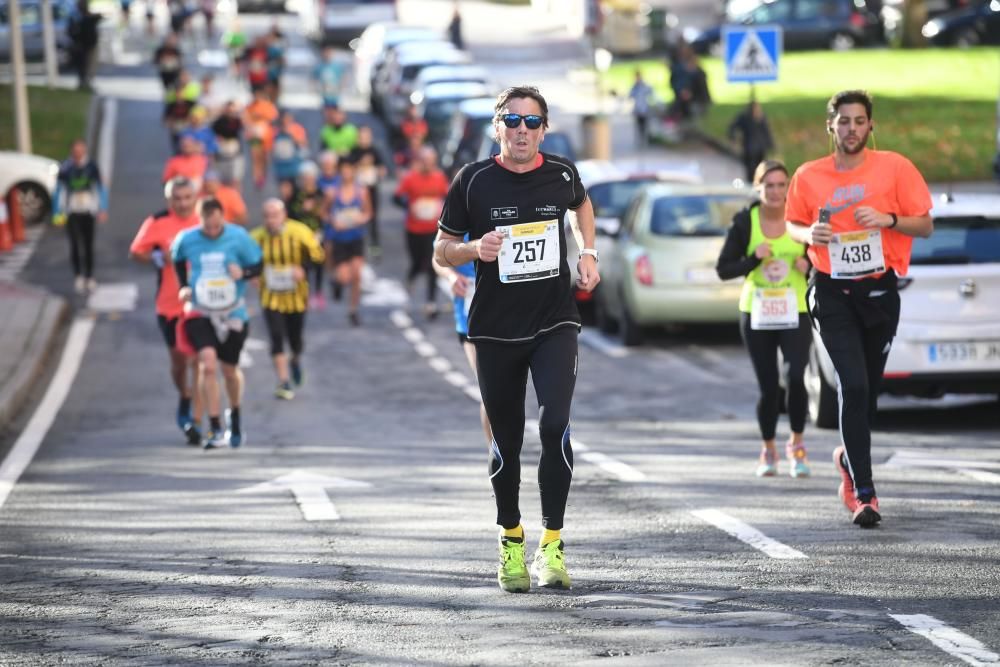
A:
752	53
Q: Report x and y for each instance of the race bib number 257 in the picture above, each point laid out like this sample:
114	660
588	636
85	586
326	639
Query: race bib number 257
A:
530	251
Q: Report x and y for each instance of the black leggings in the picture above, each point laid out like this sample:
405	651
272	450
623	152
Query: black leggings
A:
317	269
503	377
763	348
857	331
80	229
421	247
373	223
283	326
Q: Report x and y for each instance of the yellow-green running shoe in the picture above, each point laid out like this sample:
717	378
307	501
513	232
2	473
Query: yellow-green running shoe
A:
548	566
512	575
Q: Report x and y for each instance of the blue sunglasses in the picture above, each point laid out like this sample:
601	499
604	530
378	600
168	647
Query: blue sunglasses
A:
512	120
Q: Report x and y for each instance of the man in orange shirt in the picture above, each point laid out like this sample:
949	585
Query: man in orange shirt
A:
858	210
260	115
234	209
191	163
421	193
152	246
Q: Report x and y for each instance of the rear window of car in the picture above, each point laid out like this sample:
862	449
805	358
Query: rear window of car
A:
694	215
611	199
960	240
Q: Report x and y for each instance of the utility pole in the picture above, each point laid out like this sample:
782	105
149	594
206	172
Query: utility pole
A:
22	123
49	42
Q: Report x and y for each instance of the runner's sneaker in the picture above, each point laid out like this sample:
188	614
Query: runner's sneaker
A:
768	466
80	285
297	376
284	392
799	466
234	434
866	513
548	566
214	439
184	419
91	285
512	575
193	434
846	488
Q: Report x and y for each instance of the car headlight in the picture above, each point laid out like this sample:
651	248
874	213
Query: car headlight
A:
931	29
691	34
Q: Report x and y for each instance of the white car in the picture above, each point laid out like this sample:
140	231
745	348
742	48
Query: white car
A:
375	43
948	340
34	177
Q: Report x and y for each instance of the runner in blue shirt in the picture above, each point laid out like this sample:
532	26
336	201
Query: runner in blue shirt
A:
329	77
213	263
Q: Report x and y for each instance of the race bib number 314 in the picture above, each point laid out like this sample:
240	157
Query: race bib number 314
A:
530	251
856	254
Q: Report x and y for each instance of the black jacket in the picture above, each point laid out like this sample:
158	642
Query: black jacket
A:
733	260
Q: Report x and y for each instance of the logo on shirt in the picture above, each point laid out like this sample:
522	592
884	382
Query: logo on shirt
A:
548	209
503	213
567	177
845	197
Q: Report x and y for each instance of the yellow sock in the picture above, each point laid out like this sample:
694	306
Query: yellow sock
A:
517	532
549	536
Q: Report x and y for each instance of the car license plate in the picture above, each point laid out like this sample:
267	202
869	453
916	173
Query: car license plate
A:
964	353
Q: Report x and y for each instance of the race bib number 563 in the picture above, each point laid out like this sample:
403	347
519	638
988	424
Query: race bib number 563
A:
530	251
856	254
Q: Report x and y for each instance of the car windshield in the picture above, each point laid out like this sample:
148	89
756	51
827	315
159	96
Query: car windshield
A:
611	199
694	215
440	111
960	240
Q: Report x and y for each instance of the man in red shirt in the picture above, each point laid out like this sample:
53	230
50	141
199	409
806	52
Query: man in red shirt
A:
191	162
421	193
152	246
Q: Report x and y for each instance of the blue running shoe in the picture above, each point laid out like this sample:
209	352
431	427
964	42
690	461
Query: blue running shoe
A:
214	439
184	419
234	436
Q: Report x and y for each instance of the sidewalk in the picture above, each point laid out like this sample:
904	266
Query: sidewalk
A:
31	322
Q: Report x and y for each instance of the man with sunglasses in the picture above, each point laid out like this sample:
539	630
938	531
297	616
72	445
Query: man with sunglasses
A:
523	316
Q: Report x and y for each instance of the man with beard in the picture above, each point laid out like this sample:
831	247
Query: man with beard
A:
858	210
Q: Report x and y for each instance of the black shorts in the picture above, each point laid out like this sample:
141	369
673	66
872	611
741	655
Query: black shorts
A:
344	251
201	333
168	327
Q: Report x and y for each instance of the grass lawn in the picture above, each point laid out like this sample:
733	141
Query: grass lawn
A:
57	117
936	106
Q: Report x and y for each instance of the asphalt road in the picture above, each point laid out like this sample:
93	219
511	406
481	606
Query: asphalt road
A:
121	545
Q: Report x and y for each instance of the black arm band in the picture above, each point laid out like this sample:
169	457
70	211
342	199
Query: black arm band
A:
181	269
895	220
253	271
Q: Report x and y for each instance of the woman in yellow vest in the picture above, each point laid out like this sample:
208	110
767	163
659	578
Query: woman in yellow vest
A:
773	311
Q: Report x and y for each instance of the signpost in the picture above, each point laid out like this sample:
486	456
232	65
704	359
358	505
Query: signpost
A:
752	53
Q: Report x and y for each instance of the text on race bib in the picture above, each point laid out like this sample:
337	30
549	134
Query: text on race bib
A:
856	254
81	202
774	308
280	279
530	251
427	208
215	293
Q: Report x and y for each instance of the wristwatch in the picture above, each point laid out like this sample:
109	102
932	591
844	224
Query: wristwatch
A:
591	252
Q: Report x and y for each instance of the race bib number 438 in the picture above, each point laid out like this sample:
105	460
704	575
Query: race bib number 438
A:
856	254
530	251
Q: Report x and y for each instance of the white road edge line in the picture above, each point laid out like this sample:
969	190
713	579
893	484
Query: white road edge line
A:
623	471
747	533
31	438
948	639
106	151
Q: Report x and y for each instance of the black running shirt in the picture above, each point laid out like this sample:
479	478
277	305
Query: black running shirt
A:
485	195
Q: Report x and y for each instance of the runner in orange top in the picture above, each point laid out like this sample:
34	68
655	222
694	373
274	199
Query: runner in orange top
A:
234	209
858	210
190	163
152	246
260	116
422	192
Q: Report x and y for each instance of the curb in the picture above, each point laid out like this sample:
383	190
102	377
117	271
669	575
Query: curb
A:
52	317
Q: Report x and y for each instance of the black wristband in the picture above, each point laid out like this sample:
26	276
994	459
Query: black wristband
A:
895	221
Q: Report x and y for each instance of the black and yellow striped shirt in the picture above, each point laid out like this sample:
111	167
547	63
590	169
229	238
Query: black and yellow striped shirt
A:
292	247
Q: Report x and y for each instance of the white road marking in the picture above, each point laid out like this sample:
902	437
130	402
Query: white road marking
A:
106	151
425	349
604	344
472	391
114	298
440	364
948	639
400	319
309	490
622	471
13	261
456	379
692	368
256	344
31	438
981	475
976	469
747	533
413	335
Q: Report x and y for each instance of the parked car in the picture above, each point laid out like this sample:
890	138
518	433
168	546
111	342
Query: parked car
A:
555	142
948	340
376	42
450	74
660	266
394	82
806	24
31	31
34	177
978	23
610	187
338	22
437	102
465	133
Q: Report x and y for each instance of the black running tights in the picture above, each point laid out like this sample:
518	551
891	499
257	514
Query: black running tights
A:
503	376
80	229
421	247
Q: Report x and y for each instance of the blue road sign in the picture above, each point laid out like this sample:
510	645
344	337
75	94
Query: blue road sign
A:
752	53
